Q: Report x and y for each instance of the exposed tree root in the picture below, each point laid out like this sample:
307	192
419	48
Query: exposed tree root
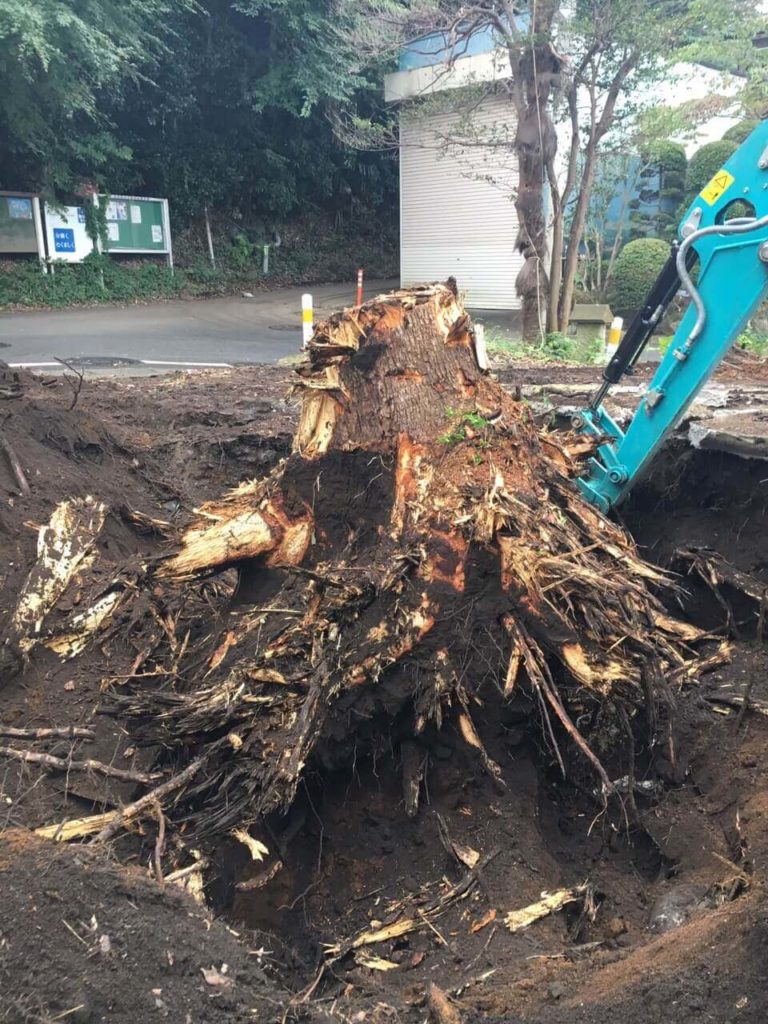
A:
423	551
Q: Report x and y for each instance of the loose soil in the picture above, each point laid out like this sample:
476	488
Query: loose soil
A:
694	857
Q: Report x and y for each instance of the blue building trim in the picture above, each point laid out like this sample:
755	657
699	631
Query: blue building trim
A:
436	47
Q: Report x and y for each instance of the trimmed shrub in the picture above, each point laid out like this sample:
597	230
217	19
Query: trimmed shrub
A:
637	267
704	165
738	132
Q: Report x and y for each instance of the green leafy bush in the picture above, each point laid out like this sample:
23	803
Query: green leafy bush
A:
240	254
705	163
97	279
738	132
753	341
637	267
557	346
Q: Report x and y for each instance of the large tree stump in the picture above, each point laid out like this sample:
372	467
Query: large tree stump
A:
424	549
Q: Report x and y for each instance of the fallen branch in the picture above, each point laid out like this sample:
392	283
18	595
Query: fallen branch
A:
64	764
737	700
65	732
149	800
15	464
76	387
157	855
549	903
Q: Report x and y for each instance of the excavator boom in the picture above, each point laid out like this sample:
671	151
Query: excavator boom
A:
723	242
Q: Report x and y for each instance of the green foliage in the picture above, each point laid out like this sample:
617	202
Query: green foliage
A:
593	352
754	341
637	267
97	279
212	103
704	164
464	425
241	252
58	59
661	182
739	132
557	346
96	221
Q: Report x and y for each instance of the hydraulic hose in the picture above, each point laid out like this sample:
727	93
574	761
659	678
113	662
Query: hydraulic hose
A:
737	226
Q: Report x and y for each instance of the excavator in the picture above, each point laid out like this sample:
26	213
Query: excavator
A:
720	258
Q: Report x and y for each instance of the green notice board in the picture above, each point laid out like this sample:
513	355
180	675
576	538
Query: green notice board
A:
17	224
136	225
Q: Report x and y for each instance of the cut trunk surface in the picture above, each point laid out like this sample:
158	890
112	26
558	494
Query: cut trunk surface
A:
422	553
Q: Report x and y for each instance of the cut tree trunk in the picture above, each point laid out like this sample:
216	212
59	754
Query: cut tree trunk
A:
423	551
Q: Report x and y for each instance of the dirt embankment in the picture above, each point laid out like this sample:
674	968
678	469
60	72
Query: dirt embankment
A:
681	930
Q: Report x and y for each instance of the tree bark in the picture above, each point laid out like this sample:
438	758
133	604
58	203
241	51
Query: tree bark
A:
535	71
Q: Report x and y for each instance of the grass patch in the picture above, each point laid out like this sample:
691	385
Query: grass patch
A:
554	348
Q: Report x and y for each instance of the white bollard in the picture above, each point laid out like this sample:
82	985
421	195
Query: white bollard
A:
307	319
481	352
614	337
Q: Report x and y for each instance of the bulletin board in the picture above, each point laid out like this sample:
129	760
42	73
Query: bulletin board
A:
137	225
19	223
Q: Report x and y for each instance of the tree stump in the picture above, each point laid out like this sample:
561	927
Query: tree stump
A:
423	550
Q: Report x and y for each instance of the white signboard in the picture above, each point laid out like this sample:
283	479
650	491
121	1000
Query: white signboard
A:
65	233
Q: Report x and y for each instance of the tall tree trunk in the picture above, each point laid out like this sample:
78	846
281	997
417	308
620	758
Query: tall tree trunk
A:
535	71
559	203
599	127
556	258
576	233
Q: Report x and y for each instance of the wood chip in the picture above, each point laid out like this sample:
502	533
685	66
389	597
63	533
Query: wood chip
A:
549	903
482	922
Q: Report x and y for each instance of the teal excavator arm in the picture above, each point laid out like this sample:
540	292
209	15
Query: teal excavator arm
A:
731	282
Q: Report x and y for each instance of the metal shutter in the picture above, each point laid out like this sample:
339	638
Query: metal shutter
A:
457	215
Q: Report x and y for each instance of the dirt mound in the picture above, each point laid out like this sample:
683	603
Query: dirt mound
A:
85	940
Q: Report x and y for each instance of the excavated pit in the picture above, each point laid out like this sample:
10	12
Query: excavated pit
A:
348	847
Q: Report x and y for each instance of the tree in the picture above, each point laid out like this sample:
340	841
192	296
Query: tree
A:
619	49
592	59
663	189
58	60
239	128
381	26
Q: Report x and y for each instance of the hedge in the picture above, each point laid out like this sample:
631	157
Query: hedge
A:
637	267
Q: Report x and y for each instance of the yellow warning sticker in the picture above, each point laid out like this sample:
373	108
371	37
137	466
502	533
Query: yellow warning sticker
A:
721	182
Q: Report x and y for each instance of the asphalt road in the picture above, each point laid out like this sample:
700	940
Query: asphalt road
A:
203	332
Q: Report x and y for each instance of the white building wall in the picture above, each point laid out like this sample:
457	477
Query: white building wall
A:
457	214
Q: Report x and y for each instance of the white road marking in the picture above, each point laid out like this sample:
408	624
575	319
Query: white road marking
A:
30	366
134	362
170	362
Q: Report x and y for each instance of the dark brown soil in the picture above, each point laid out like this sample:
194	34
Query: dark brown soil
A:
85	940
348	850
